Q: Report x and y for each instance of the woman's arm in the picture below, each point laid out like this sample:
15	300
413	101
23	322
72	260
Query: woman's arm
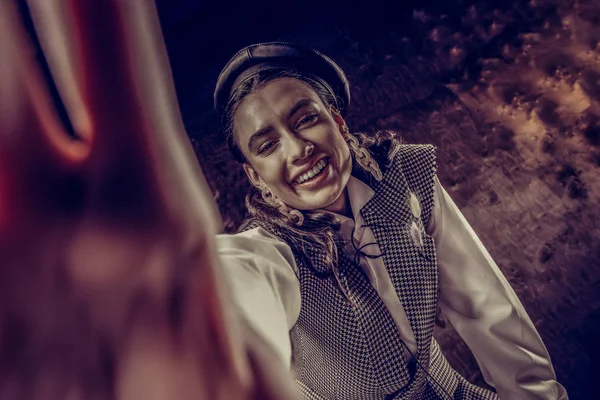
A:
486	312
260	270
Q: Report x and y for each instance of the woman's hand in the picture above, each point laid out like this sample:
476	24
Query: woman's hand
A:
109	280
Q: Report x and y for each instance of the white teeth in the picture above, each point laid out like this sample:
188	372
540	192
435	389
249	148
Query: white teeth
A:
316	169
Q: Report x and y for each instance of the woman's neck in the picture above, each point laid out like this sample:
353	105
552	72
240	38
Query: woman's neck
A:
341	205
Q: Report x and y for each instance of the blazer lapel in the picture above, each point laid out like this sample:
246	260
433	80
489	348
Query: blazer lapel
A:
413	271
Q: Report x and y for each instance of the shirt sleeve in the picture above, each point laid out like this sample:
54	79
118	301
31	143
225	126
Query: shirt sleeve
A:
484	309
259	269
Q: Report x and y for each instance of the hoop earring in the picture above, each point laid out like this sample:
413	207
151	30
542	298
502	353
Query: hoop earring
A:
363	157
292	214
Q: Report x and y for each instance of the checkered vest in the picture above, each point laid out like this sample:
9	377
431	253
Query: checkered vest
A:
345	351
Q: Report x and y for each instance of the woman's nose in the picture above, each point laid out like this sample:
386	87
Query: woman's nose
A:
299	149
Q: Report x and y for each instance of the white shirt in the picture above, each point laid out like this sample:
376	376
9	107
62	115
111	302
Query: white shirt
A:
474	295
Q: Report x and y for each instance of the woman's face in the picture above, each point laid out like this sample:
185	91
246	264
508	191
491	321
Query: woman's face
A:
275	126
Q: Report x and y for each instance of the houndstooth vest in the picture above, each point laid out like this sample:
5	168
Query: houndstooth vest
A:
345	351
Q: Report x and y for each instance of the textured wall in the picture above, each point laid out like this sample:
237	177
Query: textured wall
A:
510	94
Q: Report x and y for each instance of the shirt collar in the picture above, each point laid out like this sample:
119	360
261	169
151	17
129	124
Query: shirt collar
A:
359	193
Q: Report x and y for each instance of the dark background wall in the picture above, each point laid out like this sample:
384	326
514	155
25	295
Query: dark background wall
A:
509	92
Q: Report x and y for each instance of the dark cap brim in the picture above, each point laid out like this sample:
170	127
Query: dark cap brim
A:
286	55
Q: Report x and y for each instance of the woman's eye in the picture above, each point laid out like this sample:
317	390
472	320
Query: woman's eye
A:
264	147
307	119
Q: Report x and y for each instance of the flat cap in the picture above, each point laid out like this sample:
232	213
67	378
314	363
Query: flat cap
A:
256	57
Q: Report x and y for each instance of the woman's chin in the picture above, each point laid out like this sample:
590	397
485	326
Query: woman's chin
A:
321	197
322	201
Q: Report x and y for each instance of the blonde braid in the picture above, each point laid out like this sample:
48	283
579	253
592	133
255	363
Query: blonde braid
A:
363	157
294	215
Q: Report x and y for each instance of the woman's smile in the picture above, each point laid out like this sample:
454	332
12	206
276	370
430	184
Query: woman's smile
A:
314	176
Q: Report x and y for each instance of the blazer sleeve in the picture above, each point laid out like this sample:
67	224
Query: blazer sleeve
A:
259	269
484	309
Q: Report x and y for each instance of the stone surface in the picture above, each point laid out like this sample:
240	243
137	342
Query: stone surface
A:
509	92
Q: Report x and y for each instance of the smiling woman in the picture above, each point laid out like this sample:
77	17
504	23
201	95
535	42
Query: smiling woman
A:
352	244
295	132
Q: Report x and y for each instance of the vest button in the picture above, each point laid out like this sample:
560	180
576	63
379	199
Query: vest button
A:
415	207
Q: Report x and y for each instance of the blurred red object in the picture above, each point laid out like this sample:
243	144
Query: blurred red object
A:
109	281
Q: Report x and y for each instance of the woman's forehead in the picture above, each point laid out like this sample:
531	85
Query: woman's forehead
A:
283	92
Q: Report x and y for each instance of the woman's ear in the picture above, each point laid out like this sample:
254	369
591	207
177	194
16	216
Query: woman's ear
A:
255	179
337	117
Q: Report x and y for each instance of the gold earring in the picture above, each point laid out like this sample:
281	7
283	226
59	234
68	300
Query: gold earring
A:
363	157
292	214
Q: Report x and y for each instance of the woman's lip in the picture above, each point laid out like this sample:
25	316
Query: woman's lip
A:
294	181
314	182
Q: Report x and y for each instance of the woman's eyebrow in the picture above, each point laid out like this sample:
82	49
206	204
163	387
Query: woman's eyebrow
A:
299	104
256	136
